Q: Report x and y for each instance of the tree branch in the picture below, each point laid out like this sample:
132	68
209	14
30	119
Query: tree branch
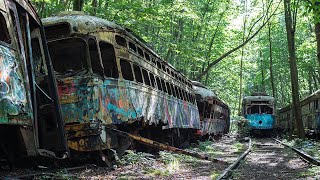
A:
210	65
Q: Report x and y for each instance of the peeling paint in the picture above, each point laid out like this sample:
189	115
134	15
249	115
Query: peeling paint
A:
13	98
260	121
114	101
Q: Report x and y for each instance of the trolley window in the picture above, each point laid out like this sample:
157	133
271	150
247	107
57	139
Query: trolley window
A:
132	47
121	41
147	56
4	35
146	77
137	73
126	70
169	88
163	85
140	52
96	64
159	83
108	60
158	65
152	80
68	55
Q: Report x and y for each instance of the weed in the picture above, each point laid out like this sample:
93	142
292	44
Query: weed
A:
214	175
311	172
133	157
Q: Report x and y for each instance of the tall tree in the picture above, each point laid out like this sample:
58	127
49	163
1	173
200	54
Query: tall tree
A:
270	62
242	56
78	5
291	12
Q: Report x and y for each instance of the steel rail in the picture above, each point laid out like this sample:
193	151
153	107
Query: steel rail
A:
301	153
228	172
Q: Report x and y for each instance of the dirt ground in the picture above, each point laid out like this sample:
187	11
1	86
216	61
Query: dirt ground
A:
167	165
266	161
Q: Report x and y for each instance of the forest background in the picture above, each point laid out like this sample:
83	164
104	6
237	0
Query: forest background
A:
235	47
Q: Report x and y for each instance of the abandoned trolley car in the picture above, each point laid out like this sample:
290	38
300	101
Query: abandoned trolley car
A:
108	78
30	115
259	110
214	113
310	109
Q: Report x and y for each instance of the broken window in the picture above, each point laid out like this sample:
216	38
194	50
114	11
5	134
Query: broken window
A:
152	80
137	73
57	31
94	57
183	94
121	41
207	112
266	109
132	47
146	77
173	91
163	85
140	52
260	109
38	59
68	55
169	88
108	60
159	83
126	70
172	73
153	60
15	27
253	109
316	105
4	35
147	56
158	65
179	95
163	66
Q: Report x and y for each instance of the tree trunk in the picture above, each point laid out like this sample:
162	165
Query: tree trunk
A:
241	60
262	72
94	5
290	19
317	31
271	63
78	5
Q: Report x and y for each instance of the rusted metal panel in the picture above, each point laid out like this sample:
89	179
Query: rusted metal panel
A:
217	121
114	101
2	6
13	98
85	24
29	8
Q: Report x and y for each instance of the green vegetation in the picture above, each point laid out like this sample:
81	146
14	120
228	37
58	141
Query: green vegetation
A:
215	175
313	171
308	146
132	157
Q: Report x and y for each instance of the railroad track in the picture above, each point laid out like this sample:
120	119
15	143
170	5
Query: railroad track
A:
269	159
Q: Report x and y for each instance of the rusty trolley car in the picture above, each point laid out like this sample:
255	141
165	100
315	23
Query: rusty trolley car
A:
214	113
30	117
259	110
107	78
310	109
